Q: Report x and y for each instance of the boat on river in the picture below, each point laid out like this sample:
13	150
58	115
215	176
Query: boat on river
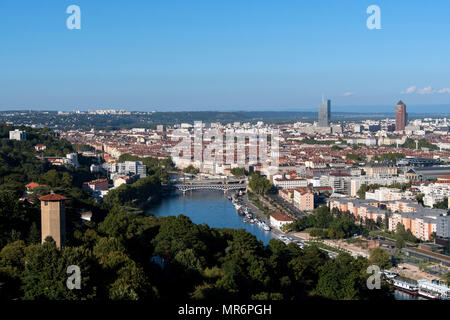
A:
405	286
433	289
265	226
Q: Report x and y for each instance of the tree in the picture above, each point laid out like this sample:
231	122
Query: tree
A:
442	205
191	170
239	172
12	268
259	184
380	257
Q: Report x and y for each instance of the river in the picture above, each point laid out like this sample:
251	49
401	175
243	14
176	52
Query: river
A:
209	207
214	209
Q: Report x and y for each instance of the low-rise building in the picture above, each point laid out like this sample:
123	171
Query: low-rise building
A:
278	220
96	185
126	179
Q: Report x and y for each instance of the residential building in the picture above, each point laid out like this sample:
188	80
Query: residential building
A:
380	170
17	135
384	194
304	199
96	185
278	220
284	183
127	179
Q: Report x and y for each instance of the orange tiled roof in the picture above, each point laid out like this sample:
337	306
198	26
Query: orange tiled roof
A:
281	217
52	197
32	185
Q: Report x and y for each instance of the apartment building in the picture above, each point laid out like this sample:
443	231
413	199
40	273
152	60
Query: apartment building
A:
126	179
96	185
380	170
17	135
304	199
339	182
284	183
125	168
286	194
357	182
384	194
422	222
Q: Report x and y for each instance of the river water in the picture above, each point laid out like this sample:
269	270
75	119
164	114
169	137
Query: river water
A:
209	207
214	209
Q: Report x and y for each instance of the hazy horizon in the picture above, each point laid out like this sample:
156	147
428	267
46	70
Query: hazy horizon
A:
412	109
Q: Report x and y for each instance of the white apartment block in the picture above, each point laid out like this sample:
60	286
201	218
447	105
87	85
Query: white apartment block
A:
290	183
17	135
434	193
357	182
384	194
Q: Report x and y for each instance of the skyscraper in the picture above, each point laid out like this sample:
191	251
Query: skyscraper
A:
401	117
53	218
324	113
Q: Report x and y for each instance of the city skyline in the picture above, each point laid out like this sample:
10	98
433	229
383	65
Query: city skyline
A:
216	158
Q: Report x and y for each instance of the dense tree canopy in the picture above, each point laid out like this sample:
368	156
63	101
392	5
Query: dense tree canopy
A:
125	255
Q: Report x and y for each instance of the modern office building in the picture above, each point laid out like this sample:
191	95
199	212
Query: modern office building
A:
401	117
325	113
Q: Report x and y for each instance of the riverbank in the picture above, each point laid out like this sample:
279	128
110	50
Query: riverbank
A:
208	207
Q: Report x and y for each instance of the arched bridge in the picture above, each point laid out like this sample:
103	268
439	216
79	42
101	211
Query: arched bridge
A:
213	184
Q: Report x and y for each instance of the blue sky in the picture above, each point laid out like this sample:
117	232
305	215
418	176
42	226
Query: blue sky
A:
224	55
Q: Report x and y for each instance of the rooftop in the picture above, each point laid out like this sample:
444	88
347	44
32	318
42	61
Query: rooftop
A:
52	197
281	217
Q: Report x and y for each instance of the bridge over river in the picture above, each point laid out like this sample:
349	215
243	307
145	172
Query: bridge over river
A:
211	184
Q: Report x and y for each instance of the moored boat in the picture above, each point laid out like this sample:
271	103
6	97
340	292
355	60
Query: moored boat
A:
433	289
265	226
408	287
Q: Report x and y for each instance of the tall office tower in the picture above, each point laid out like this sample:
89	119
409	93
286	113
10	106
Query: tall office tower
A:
324	113
401	117
53	218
